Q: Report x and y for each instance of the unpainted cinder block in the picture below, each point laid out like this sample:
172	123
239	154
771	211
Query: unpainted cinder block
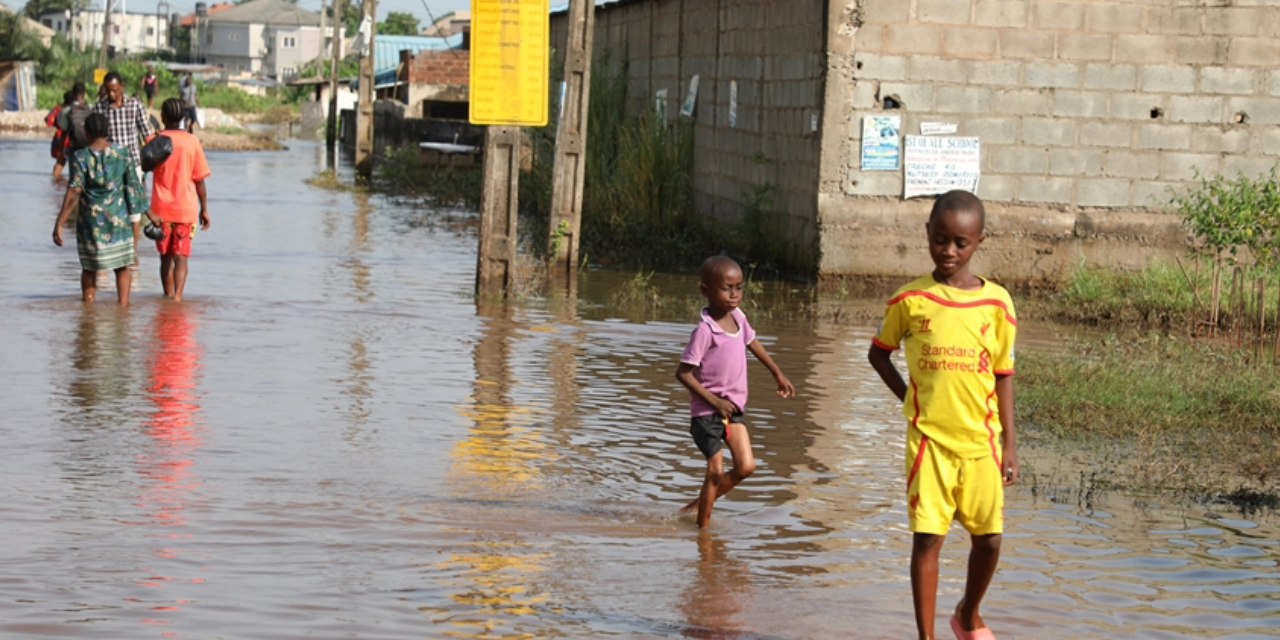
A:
1076	162
1198	109
995	73
873	183
1227	81
1000	13
915	97
1227	139
1114	18
1023	102
1053	132
1041	189
1232	21
1049	75
1254	52
1102	76
1273	83
1084	46
1175	20
1252	167
1136	106
1256	111
991	129
1147	193
1102	192
1208	50
1106	134
1080	104
1144	49
880	67
1164	136
970	42
943	11
1025	45
1186	166
931	69
1129	164
1169	79
885	11
1270	142
1027	160
913	38
996	188
961	99
1057	16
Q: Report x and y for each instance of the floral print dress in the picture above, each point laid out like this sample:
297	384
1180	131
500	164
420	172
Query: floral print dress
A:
111	189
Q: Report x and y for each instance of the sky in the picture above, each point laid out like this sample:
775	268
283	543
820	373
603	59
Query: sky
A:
438	7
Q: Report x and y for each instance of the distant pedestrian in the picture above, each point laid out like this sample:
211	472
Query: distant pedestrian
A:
149	82
58	146
105	190
128	128
713	368
178	199
190	101
958	331
72	118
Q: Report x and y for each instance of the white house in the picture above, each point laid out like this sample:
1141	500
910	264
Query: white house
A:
131	32
271	38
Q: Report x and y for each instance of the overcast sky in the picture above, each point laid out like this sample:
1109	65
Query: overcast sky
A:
438	7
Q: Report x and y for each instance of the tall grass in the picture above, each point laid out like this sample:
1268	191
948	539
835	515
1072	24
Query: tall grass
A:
637	208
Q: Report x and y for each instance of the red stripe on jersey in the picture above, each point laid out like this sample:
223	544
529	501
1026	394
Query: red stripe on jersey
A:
957	305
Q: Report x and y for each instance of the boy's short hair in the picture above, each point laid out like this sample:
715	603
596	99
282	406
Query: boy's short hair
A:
958	200
714	266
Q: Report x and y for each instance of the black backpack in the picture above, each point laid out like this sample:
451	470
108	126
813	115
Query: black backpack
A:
71	120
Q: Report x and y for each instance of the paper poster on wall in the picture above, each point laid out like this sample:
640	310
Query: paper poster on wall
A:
660	103
733	104
940	164
690	99
937	128
881	145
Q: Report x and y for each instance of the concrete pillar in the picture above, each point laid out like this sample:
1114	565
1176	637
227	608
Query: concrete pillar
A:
495	267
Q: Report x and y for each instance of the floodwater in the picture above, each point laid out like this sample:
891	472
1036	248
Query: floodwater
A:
331	439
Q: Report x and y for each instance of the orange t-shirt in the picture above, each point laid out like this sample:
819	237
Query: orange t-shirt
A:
173	190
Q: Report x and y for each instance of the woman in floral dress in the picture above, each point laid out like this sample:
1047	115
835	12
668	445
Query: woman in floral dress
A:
105	189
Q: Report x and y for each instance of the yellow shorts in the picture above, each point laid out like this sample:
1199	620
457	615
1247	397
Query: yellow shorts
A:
942	486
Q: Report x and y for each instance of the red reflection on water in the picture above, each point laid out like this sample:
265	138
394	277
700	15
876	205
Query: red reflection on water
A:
173	427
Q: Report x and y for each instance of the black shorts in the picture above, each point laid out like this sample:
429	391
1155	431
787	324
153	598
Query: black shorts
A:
709	432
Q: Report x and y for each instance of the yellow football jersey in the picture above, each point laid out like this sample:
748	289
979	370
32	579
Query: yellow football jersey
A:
955	342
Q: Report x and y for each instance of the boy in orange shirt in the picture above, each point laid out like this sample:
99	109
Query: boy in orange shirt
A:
178	199
958	331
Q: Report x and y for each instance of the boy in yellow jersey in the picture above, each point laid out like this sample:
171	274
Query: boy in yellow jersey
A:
957	331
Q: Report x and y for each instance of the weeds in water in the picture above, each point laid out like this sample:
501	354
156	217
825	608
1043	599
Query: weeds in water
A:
328	179
1177	409
402	173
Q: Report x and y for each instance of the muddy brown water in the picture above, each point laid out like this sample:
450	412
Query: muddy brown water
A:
331	439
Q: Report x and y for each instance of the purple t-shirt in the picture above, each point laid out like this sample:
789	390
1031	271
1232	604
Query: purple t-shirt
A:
720	361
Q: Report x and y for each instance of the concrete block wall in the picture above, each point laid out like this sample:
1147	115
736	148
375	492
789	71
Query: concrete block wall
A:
774	51
1088	108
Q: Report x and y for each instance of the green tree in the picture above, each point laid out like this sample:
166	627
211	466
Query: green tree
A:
399	23
17	42
351	14
34	8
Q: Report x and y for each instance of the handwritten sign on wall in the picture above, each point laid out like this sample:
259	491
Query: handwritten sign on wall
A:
940	164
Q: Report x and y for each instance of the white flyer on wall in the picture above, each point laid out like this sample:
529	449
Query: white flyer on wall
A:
937	165
881	145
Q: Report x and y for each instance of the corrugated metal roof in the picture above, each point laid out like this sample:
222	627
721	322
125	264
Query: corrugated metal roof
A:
273	12
563	7
386	52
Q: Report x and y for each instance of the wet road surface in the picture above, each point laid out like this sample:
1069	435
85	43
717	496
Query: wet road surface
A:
330	438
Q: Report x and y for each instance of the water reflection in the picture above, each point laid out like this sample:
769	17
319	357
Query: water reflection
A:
717	595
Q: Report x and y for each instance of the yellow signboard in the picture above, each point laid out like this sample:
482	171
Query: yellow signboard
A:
98	75
510	55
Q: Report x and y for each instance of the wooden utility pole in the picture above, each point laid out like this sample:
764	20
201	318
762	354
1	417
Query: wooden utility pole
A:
106	36
499	210
571	144
335	67
364	110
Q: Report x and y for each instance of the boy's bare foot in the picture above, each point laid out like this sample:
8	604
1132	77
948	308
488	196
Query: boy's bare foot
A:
693	504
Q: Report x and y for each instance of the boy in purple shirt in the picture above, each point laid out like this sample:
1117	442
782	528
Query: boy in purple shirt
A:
714	369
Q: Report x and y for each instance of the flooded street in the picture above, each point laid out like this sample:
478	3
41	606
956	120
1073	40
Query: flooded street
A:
330	438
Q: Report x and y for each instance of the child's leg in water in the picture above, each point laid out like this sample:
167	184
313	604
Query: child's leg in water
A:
744	464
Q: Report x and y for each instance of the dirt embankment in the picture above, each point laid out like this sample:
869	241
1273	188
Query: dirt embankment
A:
31	124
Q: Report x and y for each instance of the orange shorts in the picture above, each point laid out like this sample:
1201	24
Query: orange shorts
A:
177	239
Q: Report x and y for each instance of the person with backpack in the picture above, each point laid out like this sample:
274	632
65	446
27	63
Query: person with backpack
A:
149	82
58	146
178	199
71	121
